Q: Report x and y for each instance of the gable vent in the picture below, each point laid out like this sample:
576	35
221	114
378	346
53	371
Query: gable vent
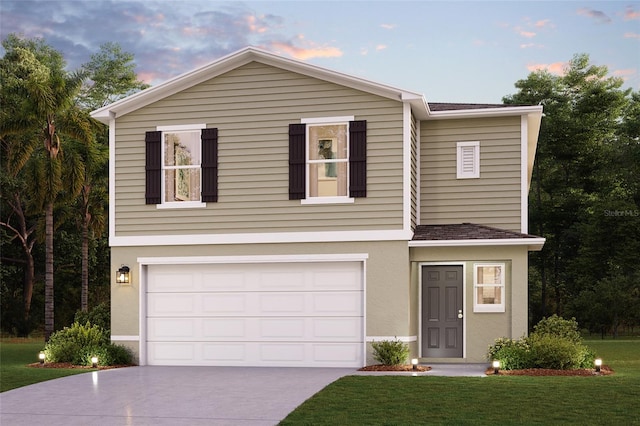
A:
468	160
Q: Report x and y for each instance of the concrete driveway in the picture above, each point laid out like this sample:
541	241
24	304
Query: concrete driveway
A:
167	396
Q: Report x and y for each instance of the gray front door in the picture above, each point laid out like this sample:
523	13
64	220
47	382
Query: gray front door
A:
442	311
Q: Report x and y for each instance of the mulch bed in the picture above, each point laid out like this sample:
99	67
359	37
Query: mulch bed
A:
69	365
381	367
587	372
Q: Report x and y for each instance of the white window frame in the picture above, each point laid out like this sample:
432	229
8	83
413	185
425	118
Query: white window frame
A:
325	121
482	307
468	169
179	204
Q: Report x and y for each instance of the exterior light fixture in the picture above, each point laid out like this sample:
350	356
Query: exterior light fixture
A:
41	357
598	364
414	363
496	366
123	275
94	361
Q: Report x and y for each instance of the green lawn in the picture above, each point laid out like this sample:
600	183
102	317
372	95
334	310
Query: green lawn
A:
15	355
504	400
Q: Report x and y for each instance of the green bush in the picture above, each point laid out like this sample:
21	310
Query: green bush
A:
78	343
513	354
71	343
558	327
555	343
100	315
390	352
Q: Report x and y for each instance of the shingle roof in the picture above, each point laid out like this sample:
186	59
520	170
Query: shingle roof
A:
441	106
464	231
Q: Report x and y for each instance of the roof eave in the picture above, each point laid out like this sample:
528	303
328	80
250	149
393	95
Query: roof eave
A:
485	112
533	244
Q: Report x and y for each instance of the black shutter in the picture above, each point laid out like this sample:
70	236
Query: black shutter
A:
358	158
209	139
297	159
153	167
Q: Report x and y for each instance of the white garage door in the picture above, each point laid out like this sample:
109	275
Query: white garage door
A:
274	314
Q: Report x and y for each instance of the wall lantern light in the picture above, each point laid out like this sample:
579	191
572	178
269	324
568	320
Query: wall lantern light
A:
598	363
41	357
414	363
123	275
94	361
496	366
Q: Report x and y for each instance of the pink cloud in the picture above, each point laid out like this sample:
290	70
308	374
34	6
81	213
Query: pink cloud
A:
388	26
544	23
303	53
631	14
255	26
631	35
529	45
595	14
625	73
381	47
557	68
527	34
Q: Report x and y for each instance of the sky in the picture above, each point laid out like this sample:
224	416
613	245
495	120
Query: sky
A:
449	51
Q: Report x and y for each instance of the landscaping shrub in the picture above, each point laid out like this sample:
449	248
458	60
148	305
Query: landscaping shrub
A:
71	343
555	343
100	315
390	352
558	327
513	354
78	343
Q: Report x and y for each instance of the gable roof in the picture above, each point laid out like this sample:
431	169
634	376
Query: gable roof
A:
465	234
417	101
243	57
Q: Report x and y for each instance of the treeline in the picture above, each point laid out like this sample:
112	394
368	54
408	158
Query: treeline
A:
585	197
54	182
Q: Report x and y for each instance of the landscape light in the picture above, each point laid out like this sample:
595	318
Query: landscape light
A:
414	363
598	363
94	361
496	366
41	357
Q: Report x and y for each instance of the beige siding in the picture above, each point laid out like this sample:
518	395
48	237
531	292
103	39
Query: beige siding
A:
481	328
494	198
252	107
414	172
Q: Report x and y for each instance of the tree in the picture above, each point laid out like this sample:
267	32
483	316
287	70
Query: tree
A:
48	113
578	176
111	77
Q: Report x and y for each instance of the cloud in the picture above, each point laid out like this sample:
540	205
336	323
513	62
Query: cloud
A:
625	73
527	34
544	23
530	45
304	53
598	15
381	47
388	26
631	35
557	68
630	14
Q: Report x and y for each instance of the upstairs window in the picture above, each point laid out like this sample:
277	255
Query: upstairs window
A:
181	166
327	160
468	160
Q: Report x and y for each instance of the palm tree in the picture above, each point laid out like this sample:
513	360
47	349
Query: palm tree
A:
48	104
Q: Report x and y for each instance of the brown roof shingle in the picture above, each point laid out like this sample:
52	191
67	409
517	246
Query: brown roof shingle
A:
464	231
447	106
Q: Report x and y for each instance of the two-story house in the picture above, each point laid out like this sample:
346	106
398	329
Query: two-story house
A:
267	212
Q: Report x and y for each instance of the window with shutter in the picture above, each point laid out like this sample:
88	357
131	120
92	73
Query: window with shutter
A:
468	160
327	160
182	166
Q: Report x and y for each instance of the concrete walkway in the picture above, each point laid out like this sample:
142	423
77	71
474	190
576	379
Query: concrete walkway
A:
177	395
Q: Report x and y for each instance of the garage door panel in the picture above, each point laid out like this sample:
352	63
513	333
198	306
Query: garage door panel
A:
160	304
308	314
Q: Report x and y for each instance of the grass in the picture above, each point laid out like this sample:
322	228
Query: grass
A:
504	400
15	355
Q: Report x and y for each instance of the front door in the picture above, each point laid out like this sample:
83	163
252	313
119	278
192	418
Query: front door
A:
442	311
